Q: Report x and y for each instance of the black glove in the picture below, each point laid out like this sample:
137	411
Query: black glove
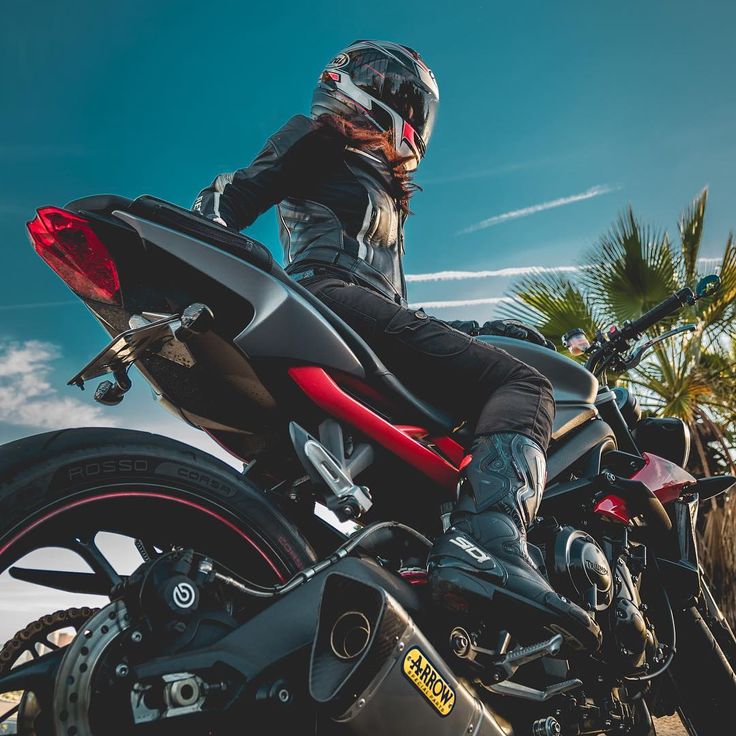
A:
517	330
469	327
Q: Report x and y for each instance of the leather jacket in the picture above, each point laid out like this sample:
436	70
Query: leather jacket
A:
337	205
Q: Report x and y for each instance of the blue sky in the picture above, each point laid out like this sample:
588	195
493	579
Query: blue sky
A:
588	106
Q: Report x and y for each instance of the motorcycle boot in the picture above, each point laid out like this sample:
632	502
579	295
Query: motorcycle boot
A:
481	563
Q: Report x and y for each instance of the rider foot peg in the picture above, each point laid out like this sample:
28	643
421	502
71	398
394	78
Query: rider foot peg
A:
516	690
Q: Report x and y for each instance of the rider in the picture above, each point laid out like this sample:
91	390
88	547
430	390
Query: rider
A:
341	180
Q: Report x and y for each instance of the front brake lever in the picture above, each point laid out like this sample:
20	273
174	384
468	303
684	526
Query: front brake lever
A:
636	356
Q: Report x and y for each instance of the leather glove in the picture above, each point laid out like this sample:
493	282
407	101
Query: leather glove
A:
469	327
517	330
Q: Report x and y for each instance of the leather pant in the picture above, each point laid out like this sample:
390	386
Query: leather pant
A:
468	378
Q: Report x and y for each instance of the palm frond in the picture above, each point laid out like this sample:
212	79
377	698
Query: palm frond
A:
553	303
691	233
719	312
630	269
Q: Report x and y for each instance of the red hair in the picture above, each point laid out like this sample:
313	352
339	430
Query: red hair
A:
361	134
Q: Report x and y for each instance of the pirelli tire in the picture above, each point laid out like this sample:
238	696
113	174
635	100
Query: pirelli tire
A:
125	479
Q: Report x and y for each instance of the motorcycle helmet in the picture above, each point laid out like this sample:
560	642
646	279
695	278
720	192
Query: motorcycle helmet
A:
387	83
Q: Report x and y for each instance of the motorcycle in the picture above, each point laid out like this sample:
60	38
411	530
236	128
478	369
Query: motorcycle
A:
292	597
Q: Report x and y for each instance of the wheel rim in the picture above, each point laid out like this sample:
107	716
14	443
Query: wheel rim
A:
115	495
189	520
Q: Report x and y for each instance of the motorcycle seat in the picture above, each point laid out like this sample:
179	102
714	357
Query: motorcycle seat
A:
241	246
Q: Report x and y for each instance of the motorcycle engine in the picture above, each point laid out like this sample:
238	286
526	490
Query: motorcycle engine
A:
579	569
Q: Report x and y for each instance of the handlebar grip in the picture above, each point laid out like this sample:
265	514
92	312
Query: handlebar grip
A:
670	305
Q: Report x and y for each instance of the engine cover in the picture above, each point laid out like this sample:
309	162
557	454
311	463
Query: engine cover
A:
579	568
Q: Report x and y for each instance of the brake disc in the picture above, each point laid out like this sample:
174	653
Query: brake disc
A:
73	692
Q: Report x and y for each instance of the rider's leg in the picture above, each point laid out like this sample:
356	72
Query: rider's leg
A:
484	555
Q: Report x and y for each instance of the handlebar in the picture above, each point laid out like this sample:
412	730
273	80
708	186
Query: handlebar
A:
670	305
609	350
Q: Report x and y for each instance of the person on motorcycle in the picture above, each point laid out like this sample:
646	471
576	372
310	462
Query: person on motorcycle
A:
341	179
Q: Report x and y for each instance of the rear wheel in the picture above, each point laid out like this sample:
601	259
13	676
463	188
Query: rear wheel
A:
63	490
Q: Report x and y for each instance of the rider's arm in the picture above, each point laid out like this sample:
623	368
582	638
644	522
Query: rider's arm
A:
237	199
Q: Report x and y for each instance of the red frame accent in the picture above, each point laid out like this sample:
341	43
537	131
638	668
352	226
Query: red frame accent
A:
145	494
321	388
663	477
613	508
411	431
415	577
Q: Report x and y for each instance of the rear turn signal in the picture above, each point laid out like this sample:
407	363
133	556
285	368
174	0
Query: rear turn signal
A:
72	249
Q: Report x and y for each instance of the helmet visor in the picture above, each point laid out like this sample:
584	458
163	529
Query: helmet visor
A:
398	88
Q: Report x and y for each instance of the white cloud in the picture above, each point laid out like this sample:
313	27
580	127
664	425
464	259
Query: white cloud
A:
595	191
499	272
28	398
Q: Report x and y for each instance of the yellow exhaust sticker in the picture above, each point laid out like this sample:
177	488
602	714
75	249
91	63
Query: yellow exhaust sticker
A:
430	683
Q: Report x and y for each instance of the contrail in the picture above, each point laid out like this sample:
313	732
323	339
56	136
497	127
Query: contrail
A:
595	191
500	272
508	272
465	302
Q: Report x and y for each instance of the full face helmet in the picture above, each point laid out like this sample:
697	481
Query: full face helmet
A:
387	83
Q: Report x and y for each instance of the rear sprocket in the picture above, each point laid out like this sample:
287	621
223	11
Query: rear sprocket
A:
25	645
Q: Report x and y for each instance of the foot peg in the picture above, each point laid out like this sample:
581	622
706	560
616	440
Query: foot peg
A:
500	665
515	690
326	464
508	663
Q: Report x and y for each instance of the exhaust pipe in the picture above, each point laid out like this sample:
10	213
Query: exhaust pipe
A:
373	671
349	635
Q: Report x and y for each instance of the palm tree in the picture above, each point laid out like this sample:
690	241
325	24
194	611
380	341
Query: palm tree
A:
693	377
629	270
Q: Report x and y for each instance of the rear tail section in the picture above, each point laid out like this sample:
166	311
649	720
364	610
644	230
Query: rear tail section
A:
139	293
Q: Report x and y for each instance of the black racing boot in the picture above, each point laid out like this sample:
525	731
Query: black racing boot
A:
481	562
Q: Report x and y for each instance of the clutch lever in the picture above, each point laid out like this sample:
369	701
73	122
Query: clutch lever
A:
636	356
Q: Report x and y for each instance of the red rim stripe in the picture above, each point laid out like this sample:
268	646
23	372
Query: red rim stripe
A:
144	494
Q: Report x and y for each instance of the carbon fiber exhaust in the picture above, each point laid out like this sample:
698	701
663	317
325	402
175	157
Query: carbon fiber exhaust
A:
374	672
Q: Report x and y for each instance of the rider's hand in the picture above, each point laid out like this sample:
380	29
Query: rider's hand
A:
518	330
469	327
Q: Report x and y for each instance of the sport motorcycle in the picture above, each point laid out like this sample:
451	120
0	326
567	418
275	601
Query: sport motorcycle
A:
291	597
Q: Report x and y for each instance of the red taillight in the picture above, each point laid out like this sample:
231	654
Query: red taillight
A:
72	249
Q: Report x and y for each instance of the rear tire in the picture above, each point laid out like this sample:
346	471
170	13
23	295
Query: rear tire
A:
110	470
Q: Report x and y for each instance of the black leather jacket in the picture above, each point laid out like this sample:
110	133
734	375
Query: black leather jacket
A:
337	207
